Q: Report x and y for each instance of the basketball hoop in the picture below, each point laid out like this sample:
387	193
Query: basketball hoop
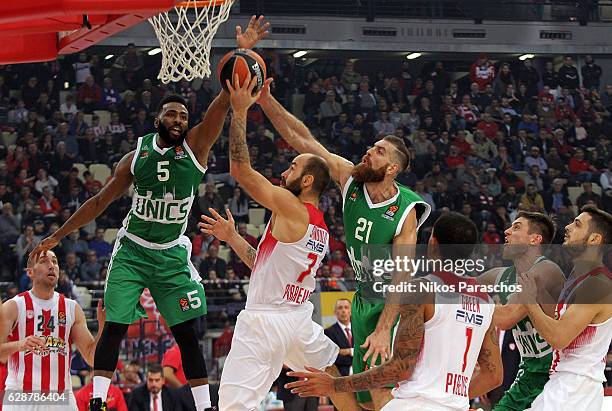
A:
185	36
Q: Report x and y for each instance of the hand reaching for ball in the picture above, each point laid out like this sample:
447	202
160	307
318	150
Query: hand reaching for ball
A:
241	95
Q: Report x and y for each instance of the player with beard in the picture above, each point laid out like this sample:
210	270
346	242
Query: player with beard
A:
377	210
151	250
440	338
276	326
581	331
524	240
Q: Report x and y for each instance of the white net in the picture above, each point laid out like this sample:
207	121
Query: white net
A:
185	36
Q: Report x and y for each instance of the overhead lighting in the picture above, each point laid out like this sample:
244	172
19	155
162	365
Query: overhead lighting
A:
526	56
413	56
300	53
154	51
110	56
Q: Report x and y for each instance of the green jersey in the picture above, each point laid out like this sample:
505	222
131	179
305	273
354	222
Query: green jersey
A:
536	353
368	223
166	181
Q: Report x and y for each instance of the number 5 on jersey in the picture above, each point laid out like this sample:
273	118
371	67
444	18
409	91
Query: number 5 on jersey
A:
163	174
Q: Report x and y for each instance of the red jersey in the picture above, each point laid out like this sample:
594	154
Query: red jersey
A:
172	359
48	370
284	273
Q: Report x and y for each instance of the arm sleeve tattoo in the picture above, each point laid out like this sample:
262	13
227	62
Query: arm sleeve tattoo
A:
405	354
239	151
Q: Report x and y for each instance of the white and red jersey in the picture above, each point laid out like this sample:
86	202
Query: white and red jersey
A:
47	371
451	345
284	273
586	355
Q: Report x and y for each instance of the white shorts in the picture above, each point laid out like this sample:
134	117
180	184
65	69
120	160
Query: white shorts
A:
70	405
415	404
565	391
263	341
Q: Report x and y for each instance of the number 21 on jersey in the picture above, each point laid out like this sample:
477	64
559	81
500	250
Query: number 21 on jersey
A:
363	225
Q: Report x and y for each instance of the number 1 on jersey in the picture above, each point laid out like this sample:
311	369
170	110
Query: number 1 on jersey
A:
362	223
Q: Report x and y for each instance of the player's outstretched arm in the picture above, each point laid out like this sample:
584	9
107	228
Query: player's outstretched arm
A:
491	370
379	342
9	318
80	334
225	230
204	135
300	138
408	342
92	208
276	199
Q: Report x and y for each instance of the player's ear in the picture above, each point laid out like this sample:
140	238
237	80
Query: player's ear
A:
393	169
307	180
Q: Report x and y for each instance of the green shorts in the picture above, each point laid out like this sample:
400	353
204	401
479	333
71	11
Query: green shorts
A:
168	274
364	318
525	388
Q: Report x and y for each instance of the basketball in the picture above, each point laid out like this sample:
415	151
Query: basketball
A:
241	62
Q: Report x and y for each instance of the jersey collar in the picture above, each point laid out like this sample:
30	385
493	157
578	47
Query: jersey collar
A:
384	203
161	151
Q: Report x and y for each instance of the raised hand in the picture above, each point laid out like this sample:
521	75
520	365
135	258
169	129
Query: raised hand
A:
218	226
265	90
256	30
241	95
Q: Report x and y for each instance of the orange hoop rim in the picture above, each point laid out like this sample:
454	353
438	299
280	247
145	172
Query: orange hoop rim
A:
201	4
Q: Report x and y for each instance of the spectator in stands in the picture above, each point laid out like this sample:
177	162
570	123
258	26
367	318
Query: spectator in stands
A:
214	262
26	242
580	168
532	200
68	108
77	125
568	74
142	125
72	266
132	377
210	199
89	95
114	400
102	248
591	73
239	205
70	141
242	232
535	159
482	72
65	285
43	180
91	185
173	368
90	269
49	205
588	196
556	197
116	127
110	96
535	177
